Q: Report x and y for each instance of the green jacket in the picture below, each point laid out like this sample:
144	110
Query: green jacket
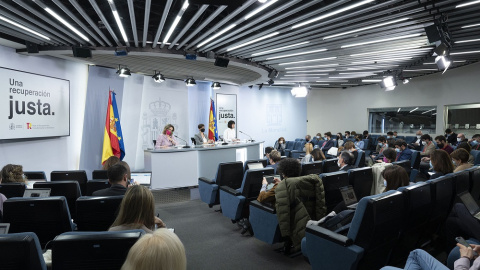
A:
299	200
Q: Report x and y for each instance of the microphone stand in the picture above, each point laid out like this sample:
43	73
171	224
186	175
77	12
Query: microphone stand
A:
186	144
251	140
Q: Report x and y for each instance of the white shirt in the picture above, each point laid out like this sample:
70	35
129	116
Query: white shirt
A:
229	135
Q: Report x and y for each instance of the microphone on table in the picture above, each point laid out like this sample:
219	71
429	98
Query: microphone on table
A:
186	144
252	140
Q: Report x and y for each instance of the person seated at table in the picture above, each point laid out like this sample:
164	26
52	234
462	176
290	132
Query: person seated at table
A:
317	155
161	250
166	138
110	162
273	158
229	135
308	156
428	146
268	150
468	148
200	137
287	168
280	145
137	211
460	160
441	163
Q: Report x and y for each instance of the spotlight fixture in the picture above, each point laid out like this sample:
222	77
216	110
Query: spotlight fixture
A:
443	62
270	82
158	77
123	72
389	83
299	91
190	82
216	85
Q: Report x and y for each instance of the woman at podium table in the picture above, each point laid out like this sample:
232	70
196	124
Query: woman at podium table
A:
166	138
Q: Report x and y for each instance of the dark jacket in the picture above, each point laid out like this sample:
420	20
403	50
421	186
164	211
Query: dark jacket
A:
114	190
299	200
328	144
404	155
452	138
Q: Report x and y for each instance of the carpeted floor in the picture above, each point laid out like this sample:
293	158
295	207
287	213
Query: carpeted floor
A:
212	241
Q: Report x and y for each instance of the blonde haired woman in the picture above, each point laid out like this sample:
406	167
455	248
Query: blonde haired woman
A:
160	250
308	156
166	139
137	211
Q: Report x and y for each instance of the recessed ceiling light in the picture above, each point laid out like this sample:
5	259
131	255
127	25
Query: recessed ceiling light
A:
311	60
252	41
315	66
468	40
379	40
56	16
471	25
23	27
216	35
389	51
468	52
467	4
315	74
331	14
175	22
334	81
414	110
311	70
295	54
365	28
119	22
281	48
371	80
424	69
259	9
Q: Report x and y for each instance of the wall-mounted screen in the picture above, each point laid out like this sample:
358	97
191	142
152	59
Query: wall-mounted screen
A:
33	106
404	120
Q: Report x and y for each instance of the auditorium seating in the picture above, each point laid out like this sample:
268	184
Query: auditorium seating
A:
371	236
35	175
234	201
264	161
330	165
361	179
360	161
443	193
75	175
289	147
312	168
92	250
462	181
297	149
406	164
410	139
21	251
332	182
96	213
475	182
69	189
11	190
46	217
228	174
476	157
94	185
264	222
99	175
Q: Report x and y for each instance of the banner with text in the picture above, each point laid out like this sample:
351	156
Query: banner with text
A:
33	106
226	111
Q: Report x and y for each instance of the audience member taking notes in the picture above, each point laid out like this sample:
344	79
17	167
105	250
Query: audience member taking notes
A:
229	135
166	138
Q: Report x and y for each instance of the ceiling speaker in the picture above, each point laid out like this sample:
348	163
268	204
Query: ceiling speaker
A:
221	62
31	47
82	52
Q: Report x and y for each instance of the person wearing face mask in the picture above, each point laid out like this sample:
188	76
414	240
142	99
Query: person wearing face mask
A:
467	148
403	153
461	138
443	145
388	156
417	143
339	140
280	146
359	144
475	142
441	163
428	146
460	160
450	136
347	134
350	147
345	161
315	141
200	138
381	146
368	137
390	139
328	143
166	139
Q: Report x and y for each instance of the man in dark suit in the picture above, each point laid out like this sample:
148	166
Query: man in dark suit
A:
328	143
118	178
451	136
403	152
346	161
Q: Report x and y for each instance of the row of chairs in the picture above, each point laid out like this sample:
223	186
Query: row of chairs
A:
70	250
386	227
50	216
79	175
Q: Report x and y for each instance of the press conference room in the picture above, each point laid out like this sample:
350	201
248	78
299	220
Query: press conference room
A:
209	134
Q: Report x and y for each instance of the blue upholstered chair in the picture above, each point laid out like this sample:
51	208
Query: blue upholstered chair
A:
68	189
330	165
475	182
312	168
462	181
97	213
360	161
289	146
332	182
406	164
476	157
442	190
264	161
298	149
371	236
410	139
21	251
361	179
46	217
264	222
228	174
233	201
35	175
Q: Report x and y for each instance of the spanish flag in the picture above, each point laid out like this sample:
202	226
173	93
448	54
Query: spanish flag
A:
112	139
212	123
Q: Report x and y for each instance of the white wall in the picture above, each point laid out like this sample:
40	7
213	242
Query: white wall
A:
54	153
337	110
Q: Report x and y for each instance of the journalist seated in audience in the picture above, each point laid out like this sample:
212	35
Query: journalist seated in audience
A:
461	138
359	144
280	146
308	139
12	173
443	145
274	158
308	156
350	147
460	160
381	146
441	163
339	140
110	162
475	142
347	134
346	161
317	155
161	250
389	156
467	147
118	177
287	168
428	146
390	139
450	137
403	152
328	143
268	149
417	144
317	139
2	199
137	211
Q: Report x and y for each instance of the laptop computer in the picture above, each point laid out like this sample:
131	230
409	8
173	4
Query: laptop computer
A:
349	198
256	165
30	183
4	227
37	193
470	203
142	178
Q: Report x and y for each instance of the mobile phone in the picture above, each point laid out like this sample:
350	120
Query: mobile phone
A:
131	182
462	241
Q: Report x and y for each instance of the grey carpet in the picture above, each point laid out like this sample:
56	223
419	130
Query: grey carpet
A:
213	242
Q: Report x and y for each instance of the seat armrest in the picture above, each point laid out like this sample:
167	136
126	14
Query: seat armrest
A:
265	207
206	180
329	235
230	190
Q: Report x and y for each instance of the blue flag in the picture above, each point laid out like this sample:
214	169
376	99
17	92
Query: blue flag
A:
118	127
